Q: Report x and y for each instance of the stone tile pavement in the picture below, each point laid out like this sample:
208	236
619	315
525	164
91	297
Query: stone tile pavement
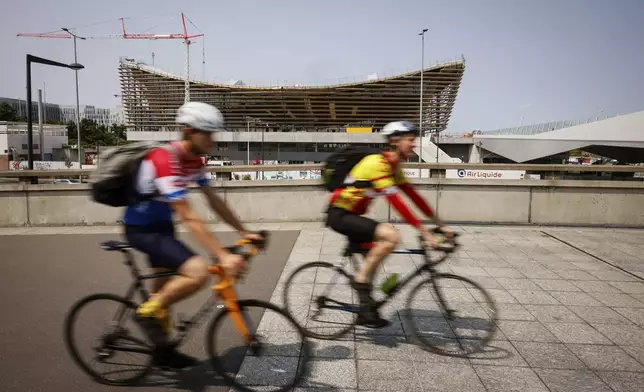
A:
570	301
568	321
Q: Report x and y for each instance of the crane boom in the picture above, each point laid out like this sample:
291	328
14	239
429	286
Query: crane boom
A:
183	36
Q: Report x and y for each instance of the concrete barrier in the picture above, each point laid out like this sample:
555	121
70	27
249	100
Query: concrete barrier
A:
610	203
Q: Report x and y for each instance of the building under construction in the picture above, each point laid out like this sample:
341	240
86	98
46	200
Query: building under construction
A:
324	117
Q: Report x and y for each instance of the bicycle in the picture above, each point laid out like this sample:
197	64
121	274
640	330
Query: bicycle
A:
118	338
442	287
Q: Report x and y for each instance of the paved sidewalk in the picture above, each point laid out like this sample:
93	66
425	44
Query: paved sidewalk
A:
568	321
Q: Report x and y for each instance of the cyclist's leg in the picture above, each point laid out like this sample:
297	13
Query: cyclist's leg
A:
362	229
385	238
166	252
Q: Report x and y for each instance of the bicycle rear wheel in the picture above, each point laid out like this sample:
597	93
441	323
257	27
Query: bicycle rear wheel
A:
320	294
114	338
456	316
278	338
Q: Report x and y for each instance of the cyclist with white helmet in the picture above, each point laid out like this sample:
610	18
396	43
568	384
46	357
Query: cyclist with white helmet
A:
165	174
378	175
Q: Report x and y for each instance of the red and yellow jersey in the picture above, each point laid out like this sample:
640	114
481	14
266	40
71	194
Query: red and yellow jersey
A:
379	179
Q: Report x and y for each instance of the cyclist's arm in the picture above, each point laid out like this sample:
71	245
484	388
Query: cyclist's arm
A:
223	210
410	191
197	226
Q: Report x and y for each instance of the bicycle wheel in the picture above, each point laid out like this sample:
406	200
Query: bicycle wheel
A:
320	294
457	317
113	339
277	336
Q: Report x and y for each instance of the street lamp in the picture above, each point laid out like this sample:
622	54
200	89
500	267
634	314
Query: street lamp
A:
34	59
422	72
80	165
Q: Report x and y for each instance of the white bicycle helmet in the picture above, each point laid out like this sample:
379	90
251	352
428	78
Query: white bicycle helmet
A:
201	116
397	128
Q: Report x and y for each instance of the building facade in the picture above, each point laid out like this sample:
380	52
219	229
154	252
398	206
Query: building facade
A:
290	124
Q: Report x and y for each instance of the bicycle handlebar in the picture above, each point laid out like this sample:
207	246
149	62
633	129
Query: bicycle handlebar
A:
256	247
447	249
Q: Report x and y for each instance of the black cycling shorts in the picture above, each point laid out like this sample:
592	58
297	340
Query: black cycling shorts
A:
357	228
159	242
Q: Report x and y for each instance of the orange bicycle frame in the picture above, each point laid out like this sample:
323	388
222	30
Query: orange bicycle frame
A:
225	289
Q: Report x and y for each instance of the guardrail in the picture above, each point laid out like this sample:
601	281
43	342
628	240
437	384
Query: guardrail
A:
529	168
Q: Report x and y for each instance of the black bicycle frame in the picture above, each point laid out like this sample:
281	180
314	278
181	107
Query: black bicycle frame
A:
427	266
185	326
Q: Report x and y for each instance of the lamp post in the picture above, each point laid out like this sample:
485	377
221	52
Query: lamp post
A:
39	60
422	69
80	165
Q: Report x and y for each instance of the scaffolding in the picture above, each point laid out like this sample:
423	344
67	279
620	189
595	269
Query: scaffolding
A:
151	98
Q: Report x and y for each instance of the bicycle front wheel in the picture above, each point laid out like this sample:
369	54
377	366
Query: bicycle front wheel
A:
451	315
108	340
276	358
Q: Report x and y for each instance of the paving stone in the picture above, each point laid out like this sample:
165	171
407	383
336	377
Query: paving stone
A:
504	272
623	335
635	352
555	285
499	296
614	275
599	315
508	379
576	333
575	298
498	353
605	358
595	286
572	381
513	312
338	348
533	297
634	315
553	314
399	348
439	377
575	275
623	381
629	287
271	371
620	300
388	376
335	373
535	271
548	355
526	331
517	284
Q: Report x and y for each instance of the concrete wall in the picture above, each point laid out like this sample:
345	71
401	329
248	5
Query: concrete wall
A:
615	203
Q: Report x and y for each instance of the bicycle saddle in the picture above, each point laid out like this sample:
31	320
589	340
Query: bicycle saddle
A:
357	247
115	245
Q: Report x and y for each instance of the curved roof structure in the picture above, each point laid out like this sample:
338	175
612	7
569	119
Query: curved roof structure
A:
619	137
151	97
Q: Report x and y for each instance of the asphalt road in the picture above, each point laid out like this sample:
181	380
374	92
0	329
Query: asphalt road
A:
43	275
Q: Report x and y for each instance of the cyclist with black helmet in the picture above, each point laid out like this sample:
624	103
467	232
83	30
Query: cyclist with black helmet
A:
348	205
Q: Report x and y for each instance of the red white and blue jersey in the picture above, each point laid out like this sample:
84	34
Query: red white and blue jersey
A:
165	173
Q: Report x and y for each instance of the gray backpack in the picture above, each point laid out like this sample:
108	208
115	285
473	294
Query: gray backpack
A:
112	183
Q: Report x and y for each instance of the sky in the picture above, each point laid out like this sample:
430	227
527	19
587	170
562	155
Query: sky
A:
526	61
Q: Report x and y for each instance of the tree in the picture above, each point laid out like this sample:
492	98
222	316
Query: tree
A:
93	135
7	112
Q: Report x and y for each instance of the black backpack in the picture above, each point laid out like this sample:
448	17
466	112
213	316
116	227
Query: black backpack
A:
339	164
112	183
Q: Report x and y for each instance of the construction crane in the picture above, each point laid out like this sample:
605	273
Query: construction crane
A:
187	40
